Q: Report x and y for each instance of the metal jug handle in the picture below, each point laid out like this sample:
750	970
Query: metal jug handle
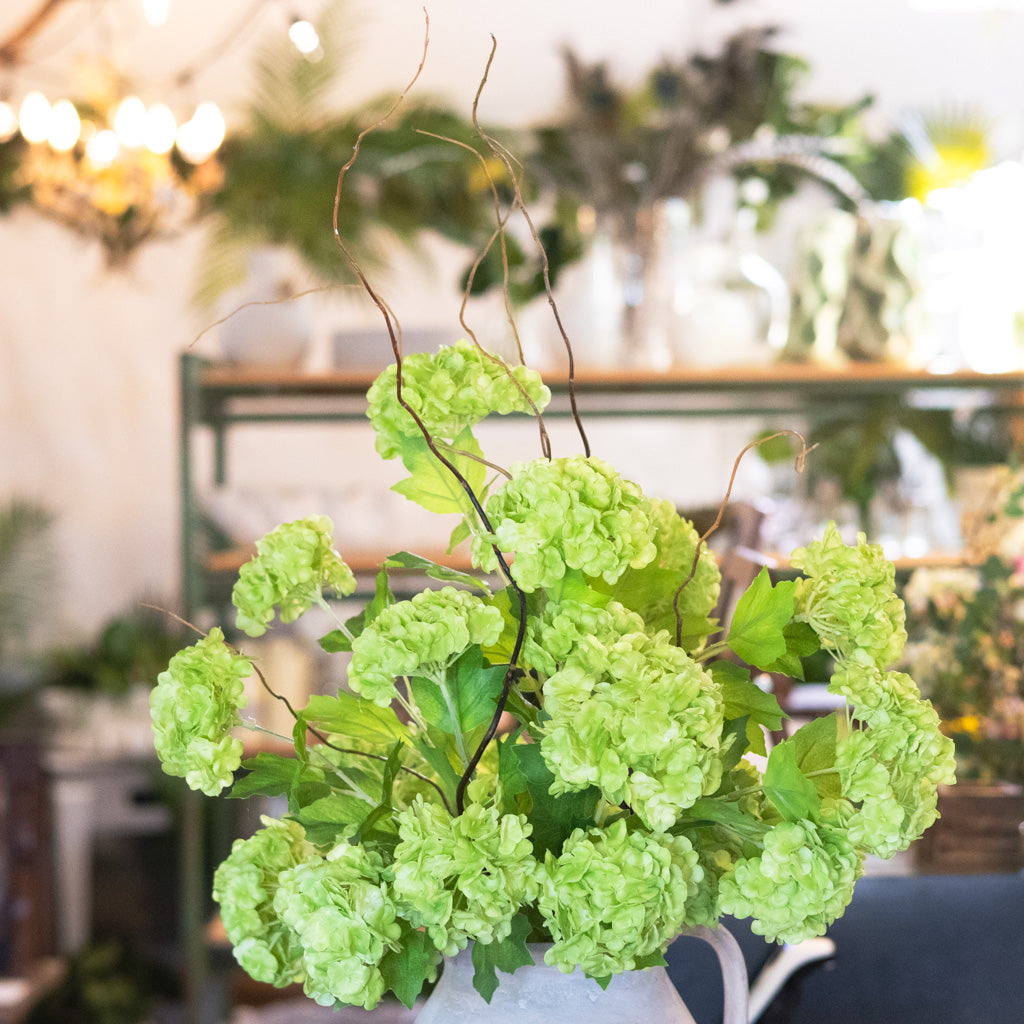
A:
734	970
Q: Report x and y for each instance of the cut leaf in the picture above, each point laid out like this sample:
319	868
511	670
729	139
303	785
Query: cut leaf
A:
432	484
507	955
762	612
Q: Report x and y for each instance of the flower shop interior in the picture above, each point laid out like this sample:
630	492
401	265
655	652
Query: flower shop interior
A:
769	252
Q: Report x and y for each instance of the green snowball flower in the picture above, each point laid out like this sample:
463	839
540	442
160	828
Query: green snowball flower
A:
651	591
245	885
420	636
194	706
450	390
848	596
464	878
292	565
891	769
800	883
343	915
631	714
613	897
570	513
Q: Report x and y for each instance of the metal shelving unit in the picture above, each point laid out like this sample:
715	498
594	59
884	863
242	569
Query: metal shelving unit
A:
221	398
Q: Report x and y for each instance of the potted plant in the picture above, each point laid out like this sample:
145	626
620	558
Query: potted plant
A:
967	649
553	748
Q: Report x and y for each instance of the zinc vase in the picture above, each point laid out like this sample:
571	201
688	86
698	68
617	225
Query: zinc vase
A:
544	995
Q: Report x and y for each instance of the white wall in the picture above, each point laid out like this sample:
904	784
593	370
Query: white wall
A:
88	357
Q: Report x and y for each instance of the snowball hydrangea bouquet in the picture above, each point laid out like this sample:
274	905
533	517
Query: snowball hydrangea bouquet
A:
553	748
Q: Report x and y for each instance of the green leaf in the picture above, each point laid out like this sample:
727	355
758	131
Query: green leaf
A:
793	794
553	817
405	970
431	484
762	612
815	747
744	698
349	715
384	808
276	775
801	642
434	570
326	820
468	697
507	955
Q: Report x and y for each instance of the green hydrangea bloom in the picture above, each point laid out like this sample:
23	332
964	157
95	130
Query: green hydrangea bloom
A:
574	513
420	636
464	878
614	896
848	596
891	769
245	885
651	590
633	715
800	883
292	564
343	915
193	707
450	390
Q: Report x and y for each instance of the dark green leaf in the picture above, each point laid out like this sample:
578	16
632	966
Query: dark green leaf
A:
276	775
406	969
744	698
762	612
507	955
553	817
470	694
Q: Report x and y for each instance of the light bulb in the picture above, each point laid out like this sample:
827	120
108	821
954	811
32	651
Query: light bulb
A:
161	128
155	11
102	148
304	37
65	126
8	121
130	122
34	117
200	136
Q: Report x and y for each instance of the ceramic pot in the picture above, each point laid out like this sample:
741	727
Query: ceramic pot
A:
544	995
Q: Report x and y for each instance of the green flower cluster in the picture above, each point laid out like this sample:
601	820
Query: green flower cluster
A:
293	563
890	770
194	706
245	886
345	920
569	513
419	637
464	878
848	596
450	390
651	590
613	897
801	881
631	714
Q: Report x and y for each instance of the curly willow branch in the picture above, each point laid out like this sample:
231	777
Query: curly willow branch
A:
389	322
801	458
506	158
499	233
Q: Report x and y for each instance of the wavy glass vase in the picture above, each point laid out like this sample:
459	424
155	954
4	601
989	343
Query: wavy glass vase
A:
544	995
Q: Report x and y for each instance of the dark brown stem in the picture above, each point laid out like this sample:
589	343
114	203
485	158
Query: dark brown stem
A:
389	322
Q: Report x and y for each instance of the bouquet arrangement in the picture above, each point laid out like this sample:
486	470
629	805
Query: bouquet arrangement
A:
561	746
